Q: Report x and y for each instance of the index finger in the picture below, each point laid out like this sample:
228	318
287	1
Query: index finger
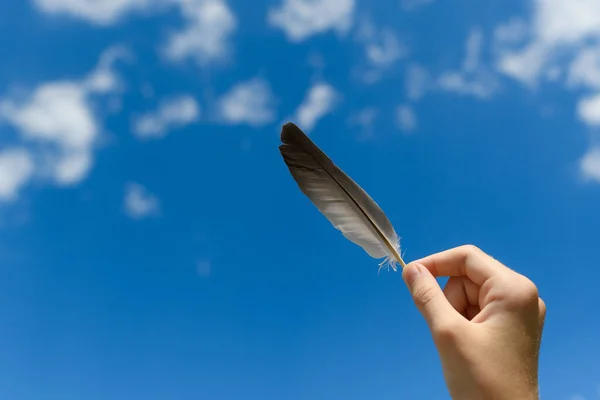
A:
467	261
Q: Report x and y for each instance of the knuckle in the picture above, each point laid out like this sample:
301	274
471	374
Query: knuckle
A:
525	293
542	307
448	332
529	292
542	313
471	253
471	249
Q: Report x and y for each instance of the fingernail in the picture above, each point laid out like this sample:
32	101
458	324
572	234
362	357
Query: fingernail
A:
411	272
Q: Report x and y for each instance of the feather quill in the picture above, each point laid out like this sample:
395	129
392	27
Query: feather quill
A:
341	200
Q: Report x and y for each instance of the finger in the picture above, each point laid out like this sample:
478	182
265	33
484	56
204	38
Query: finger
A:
542	313
542	309
428	297
466	261
462	293
456	295
472	290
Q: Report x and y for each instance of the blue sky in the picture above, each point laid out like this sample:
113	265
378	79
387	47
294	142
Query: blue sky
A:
154	246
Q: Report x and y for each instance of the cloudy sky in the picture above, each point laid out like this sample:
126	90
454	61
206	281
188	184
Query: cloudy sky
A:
154	246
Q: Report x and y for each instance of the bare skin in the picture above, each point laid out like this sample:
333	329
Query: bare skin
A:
486	324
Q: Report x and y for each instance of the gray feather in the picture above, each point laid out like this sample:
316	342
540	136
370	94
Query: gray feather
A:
345	204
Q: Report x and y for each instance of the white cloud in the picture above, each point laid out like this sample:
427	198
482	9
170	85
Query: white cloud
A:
101	12
139	203
58	116
584	71
482	87
417	82
16	169
589	110
249	102
473	53
72	167
511	33
301	19
562	30
525	65
172	113
365	119
382	49
563	40
55	112
103	79
320	101
58	122
473	79
206	36
560	22
406	119
557	24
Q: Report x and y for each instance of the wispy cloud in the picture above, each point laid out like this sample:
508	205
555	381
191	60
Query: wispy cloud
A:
417	82
55	112
365	119
207	32
527	51
101	12
58	120
16	169
590	164
172	113
320	101
250	102
562	36
584	71
406	118
301	19
104	79
205	36
458	83
139	203
382	49
473	79
589	110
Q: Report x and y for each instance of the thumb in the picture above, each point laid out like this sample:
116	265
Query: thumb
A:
429	297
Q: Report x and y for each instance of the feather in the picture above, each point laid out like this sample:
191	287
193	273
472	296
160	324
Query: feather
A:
345	204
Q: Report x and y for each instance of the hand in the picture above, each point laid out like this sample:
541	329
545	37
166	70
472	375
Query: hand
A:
486	324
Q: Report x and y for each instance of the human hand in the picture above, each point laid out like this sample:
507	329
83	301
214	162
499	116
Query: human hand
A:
486	323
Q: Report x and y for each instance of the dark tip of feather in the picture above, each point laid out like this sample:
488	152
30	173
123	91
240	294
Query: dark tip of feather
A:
290	132
290	125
